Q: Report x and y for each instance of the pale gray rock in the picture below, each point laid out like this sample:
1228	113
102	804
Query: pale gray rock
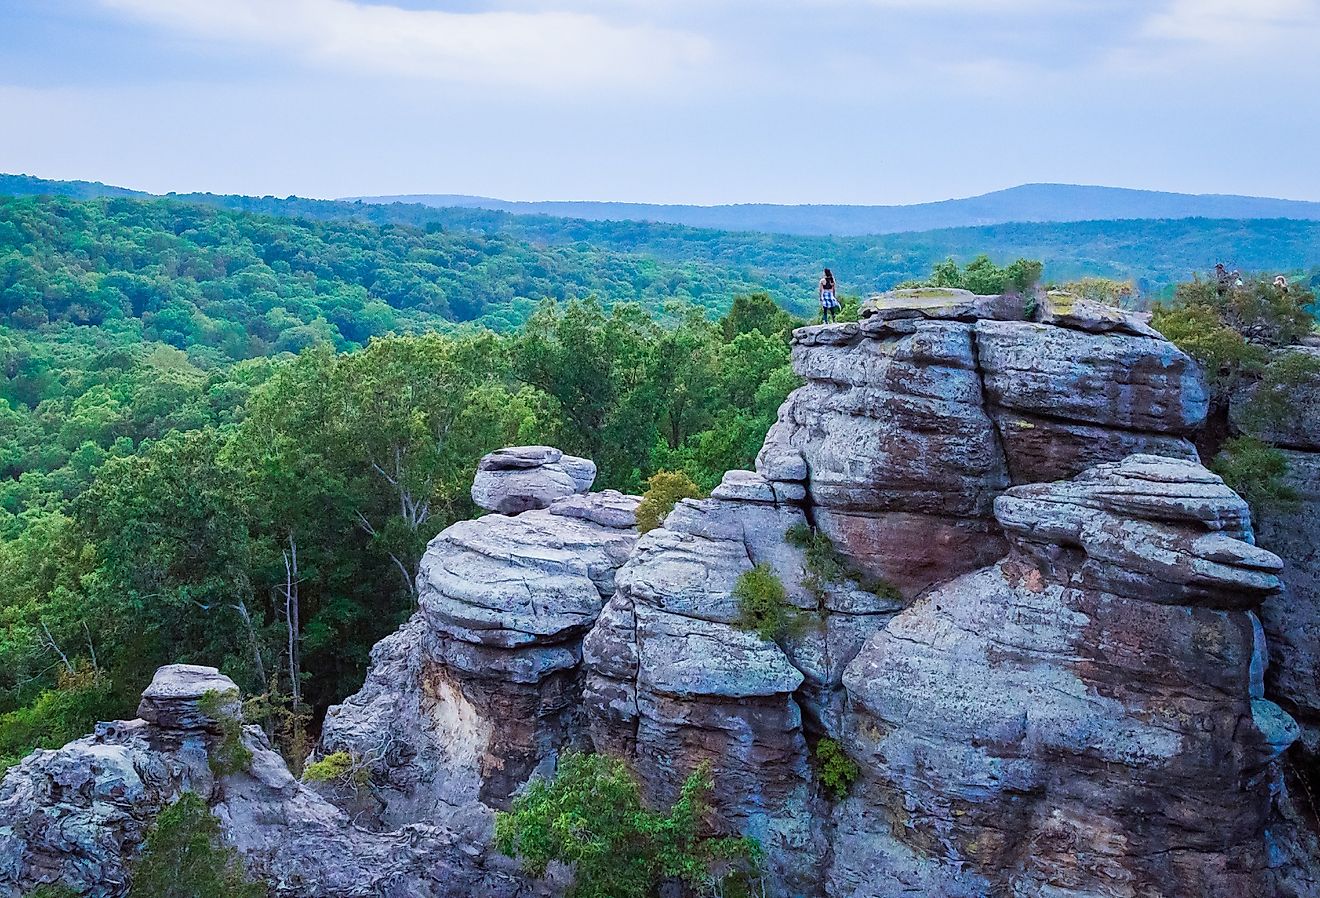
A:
914	420
171	701
1115	380
744	486
609	508
482	686
942	303
1076	312
522	478
78	816
1039	727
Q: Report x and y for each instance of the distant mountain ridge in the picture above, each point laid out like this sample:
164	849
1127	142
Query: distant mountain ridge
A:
1027	203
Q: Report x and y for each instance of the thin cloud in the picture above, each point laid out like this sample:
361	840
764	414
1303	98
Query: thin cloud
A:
1233	25
547	50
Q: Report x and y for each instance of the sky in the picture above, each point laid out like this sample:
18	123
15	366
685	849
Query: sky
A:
680	101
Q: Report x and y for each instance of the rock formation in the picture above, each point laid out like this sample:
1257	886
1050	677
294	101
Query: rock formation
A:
1084	718
1292	620
78	815
1038	642
482	686
915	418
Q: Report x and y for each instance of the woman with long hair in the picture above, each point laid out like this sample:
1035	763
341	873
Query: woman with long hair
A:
829	300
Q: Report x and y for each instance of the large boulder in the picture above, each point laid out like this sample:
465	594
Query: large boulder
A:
1084	718
522	478
913	420
482	687
676	678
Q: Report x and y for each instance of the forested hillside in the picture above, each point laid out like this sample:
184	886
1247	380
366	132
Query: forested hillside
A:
1154	253
1027	202
162	504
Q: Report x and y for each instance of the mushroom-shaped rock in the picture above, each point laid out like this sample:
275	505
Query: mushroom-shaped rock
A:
189	697
522	478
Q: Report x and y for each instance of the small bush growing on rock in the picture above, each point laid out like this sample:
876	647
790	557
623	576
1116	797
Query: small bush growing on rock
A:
185	857
763	604
983	276
1272	403
825	566
591	816
836	771
664	490
52	890
340	768
1255	470
228	754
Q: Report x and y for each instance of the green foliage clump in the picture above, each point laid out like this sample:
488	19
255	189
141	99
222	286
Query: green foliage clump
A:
52	890
1274	399
591	816
338	767
1106	291
1255	470
836	771
763	604
228	754
663	492
825	566
81	697
1224	354
984	277
184	856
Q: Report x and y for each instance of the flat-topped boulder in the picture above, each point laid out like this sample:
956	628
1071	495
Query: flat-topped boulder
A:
189	697
521	478
942	303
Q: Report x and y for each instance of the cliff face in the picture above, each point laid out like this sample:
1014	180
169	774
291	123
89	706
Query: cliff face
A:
1040	648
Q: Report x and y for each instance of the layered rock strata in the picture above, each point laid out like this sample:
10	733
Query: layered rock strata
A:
914	419
78	816
1084	718
482	687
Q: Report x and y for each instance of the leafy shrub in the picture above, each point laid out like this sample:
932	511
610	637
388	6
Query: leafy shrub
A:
1255	470
52	890
1224	354
228	754
825	566
81	698
1103	290
664	489
763	604
1272	404
338	767
185	857
836	771
984	277
591	816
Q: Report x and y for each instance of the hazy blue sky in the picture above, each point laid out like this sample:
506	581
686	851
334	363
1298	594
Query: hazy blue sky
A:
707	101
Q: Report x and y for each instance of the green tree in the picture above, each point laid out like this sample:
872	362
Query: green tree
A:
591	815
184	856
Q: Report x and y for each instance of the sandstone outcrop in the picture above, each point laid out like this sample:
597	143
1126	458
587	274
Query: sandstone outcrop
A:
1038	642
482	686
1085	717
1292	619
77	816
915	418
521	478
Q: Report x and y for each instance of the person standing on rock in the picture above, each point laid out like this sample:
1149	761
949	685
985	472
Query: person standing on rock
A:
829	302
